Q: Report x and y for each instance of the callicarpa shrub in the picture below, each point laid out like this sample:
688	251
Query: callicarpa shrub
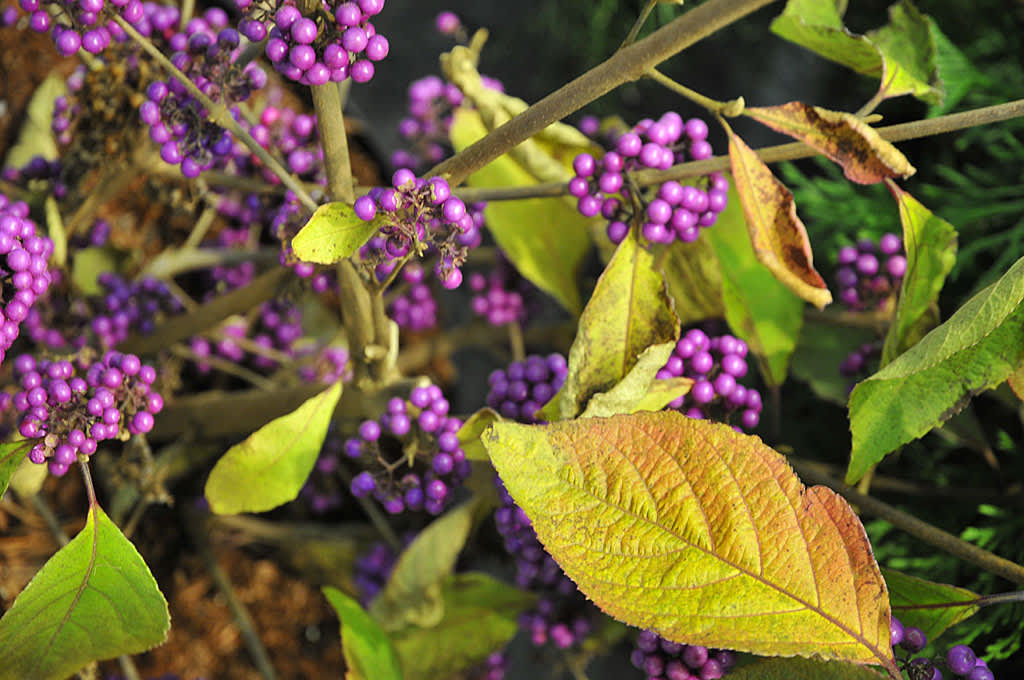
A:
543	391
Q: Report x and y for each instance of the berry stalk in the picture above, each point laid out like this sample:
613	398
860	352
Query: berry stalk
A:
221	116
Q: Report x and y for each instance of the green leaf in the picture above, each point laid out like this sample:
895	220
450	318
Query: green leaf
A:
914	602
55	230
545	238
11	455
334	232
975	350
930	243
269	468
638	390
368	652
694	281
94	599
900	54
628	312
88	264
413	593
35	138
28	478
469	433
759	309
821	348
956	75
818	26
803	669
479	618
699	532
908	54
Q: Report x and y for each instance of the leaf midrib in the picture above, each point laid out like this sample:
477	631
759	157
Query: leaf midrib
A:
826	616
81	588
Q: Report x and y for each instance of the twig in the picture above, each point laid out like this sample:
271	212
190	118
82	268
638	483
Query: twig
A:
769	154
376	516
639	23
225	366
172	262
178	328
628	64
729	109
52	523
923	531
220	115
242	619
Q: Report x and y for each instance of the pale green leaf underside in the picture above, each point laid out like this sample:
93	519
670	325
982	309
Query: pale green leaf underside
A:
758	307
271	465
479	617
413	594
94	599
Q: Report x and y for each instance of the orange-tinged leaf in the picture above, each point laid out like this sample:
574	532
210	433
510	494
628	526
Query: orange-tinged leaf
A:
701	533
865	157
776	233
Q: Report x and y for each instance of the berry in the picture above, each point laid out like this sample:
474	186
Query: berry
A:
69	406
715	364
865	281
672	211
412	461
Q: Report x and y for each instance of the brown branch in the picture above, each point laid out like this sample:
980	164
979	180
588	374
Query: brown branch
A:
628	64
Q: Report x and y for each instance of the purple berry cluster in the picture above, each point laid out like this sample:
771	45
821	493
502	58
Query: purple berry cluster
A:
960	660
272	333
207	52
503	295
411	455
81	24
869	273
372	570
104	320
415	309
716	364
492	668
293	136
520	390
330	365
662	659
68	407
322	492
562	615
425	129
672	211
419	215
24	269
860	361
336	42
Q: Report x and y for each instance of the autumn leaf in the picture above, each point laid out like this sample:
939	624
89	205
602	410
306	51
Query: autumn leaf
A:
700	533
865	157
776	233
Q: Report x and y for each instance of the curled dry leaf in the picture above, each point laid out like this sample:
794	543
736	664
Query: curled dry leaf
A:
865	157
776	233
